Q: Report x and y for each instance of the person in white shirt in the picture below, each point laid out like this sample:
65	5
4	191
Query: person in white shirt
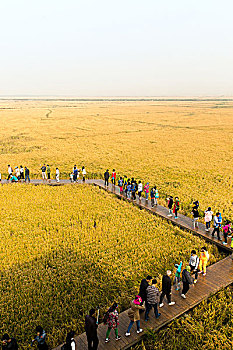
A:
84	173
140	190
10	171
57	175
17	173
208	218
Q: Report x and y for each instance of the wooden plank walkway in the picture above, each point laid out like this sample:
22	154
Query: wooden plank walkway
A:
219	275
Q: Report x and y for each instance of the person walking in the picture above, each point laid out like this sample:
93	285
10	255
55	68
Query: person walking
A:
194	263
120	184
70	342
44	177
75	172
113	177
176	207
57	175
143	288
84	173
204	257
156	195
195	217
9	343
177	275
134	315
48	173
152	300
170	205
152	196
129	190
27	172
91	326
146	190
187	280
21	173
112	320
216	226
10	171
140	190
226	231
40	339
208	218
133	189
166	289
106	178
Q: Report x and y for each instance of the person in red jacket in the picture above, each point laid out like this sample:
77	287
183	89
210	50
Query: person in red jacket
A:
113	177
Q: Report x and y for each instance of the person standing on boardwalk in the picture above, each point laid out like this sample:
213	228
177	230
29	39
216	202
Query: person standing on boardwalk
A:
176	207
48	172
133	189
156	195
70	342
208	218
140	190
204	257
120	184
106	178
113	177
187	280
134	315
170	205
27	172
17	173
57	175
226	231
166	289
9	343
194	263
195	217
152	300
152	196
143	287
216	226
91	326
75	172
177	275
40	338
10	171
21	173
44	177
112	320
146	190
84	173
129	190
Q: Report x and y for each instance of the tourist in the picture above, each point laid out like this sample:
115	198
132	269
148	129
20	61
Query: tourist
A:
208	218
152	300
195	217
176	207
226	230
156	196
204	257
152	196
71	177
40	338
194	263
44	177
84	173
13	178
48	172
113	177
17	173
134	315
91	326
170	205
177	275
187	280
112	320
216	226
133	188
21	173
166	289
27	174
106	177
140	190
129	190
57	175
9	343
120	184
70	342
10	171
146	190
143	287
75	172
220	220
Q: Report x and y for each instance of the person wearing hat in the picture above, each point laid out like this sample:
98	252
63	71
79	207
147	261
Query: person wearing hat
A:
187	280
91	326
9	343
134	315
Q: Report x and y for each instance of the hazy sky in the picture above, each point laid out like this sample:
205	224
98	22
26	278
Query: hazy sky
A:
116	48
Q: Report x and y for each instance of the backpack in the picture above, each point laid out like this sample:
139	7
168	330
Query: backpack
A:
120	183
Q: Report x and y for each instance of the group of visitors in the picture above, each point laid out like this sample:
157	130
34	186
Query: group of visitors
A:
19	174
74	175
10	343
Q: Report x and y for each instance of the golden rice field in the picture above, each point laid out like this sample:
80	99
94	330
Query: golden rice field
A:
184	147
55	265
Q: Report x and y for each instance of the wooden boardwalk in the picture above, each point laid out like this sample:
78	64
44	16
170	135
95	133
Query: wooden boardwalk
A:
219	275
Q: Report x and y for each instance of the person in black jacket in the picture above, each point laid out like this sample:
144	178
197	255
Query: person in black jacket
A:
91	330
166	289
106	177
143	287
9	343
187	280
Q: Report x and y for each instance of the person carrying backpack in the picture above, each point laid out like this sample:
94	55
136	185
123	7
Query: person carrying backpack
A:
176	207
216	226
70	342
111	318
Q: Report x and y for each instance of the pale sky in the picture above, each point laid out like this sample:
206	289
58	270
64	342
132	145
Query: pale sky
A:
116	48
